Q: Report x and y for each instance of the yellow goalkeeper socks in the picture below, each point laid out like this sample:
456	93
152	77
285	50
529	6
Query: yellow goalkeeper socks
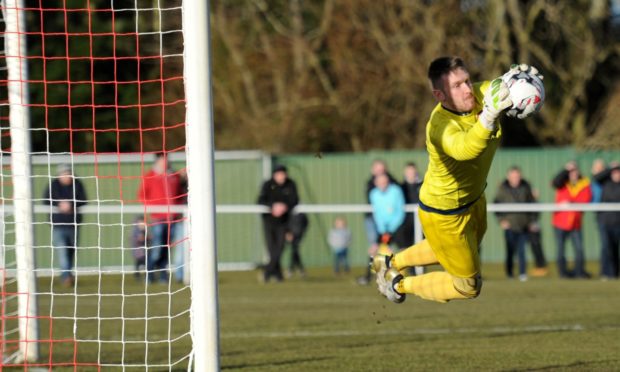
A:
436	286
419	254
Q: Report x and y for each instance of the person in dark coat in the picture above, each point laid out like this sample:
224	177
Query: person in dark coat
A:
279	194
412	182
298	224
516	225
609	179
66	193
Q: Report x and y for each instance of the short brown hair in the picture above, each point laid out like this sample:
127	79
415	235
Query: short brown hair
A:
442	66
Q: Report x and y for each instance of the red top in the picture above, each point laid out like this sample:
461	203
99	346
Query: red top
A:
160	189
580	192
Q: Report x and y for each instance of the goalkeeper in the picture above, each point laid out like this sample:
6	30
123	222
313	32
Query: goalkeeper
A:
462	136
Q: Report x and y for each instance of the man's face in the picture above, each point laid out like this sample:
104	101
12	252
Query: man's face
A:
574	175
65	179
411	173
279	177
161	165
514	178
378	167
456	92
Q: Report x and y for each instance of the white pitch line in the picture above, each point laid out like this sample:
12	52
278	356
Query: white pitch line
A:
423	331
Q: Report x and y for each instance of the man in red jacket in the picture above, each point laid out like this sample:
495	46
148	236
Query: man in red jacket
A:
570	187
160	186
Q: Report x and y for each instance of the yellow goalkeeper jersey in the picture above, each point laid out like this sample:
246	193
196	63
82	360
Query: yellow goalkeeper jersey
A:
460	152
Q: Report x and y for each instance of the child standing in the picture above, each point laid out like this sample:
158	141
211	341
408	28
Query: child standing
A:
339	240
139	242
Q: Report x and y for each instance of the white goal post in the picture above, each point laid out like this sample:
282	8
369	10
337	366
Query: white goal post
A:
104	319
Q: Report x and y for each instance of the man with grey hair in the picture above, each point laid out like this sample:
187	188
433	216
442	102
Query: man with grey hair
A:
66	193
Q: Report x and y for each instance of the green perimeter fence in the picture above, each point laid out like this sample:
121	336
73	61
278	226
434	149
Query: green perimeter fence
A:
322	179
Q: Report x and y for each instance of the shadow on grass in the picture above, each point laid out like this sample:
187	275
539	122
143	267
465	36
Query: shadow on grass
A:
279	363
580	365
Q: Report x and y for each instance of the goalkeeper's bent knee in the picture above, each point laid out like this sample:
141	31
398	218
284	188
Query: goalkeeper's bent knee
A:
468	287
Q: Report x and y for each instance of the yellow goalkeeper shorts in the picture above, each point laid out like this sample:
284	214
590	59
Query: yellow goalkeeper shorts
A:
455	239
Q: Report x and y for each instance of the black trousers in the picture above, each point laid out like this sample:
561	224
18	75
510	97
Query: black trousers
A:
537	250
295	256
275	234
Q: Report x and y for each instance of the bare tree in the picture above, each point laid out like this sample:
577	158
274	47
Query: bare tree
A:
351	74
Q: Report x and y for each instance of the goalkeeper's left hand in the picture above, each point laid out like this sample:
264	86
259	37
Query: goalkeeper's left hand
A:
516	69
496	100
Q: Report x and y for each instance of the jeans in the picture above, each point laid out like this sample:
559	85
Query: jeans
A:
515	243
340	258
157	255
63	240
371	230
576	237
179	250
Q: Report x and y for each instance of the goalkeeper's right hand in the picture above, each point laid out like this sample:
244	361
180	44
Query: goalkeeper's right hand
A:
496	100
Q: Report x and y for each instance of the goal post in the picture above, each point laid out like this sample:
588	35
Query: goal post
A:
19	121
101	290
199	121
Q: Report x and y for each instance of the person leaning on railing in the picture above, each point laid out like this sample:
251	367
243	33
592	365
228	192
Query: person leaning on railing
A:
571	187
609	179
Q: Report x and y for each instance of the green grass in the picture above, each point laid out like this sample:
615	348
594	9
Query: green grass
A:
331	324
327	323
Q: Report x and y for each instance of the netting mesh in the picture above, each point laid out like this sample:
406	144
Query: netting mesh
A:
106	102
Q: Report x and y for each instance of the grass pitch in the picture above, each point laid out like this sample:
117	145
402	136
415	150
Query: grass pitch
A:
327	323
324	323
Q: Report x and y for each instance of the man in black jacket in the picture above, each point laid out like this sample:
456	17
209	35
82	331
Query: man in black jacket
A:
65	193
514	189
279	193
610	221
412	182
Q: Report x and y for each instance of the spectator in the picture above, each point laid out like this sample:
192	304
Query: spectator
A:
610	221
160	187
411	190
66	193
571	187
140	241
298	224
279	193
339	239
598	166
514	189
535	238
388	207
179	233
378	167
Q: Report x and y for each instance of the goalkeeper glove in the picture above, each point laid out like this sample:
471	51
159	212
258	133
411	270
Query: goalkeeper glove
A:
496	100
516	69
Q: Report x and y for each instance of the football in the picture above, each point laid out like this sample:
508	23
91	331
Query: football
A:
527	93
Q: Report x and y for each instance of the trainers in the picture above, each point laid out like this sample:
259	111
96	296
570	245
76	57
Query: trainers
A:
392	278
362	280
379	265
539	272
